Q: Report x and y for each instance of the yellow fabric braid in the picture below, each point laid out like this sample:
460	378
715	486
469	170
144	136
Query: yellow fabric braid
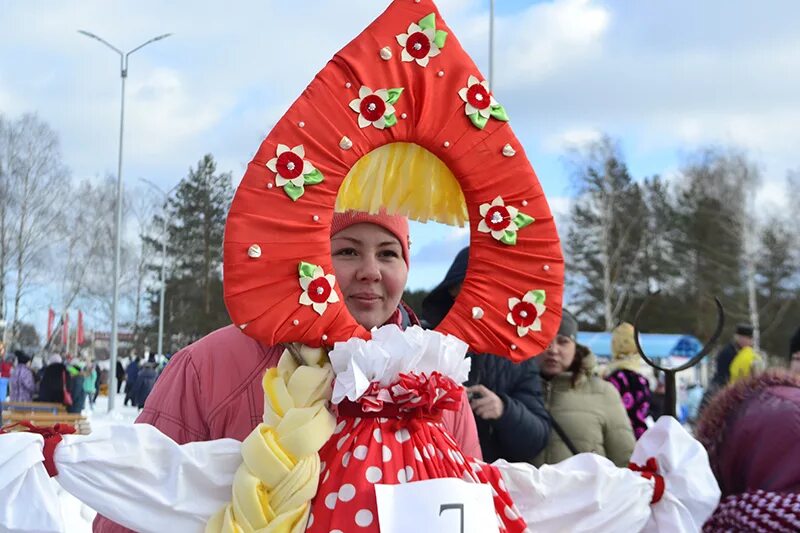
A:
405	179
279	474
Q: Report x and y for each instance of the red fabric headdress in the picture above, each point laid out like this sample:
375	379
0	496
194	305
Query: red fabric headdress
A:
405	79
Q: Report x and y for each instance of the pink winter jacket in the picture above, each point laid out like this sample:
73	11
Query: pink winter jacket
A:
203	395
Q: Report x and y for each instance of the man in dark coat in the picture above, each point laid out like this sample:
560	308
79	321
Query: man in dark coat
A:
55	379
145	382
506	397
131	376
743	337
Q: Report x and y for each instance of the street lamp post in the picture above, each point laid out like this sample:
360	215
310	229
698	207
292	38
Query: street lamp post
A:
123	63
163	263
491	44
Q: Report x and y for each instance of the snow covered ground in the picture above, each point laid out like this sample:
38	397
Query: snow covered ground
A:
77	516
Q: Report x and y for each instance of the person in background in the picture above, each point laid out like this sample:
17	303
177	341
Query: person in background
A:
76	389
505	397
55	379
6	364
90	383
145	382
120	371
624	372
131	375
22	381
742	338
794	352
586	411
694	398
751	430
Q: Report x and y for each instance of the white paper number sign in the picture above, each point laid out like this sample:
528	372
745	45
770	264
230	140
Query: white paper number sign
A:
436	506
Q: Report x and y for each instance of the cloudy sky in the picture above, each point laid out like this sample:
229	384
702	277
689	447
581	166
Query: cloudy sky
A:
664	77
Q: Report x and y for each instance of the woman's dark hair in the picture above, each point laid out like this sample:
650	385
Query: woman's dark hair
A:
581	352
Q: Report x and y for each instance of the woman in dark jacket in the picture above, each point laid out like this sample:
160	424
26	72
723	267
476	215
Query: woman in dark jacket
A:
506	397
54	379
145	381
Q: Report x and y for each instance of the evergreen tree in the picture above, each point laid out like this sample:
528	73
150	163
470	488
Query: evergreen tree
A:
711	216
194	303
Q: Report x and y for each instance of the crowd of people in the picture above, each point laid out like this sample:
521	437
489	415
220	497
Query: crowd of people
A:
542	410
74	382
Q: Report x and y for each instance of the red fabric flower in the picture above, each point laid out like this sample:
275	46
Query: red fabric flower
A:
372	107
478	97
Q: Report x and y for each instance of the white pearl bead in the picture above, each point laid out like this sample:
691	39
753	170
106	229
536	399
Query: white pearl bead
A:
295	322
301	124
348	84
386	53
546	267
440	73
254	251
513	346
447	144
315	218
324	337
269	185
403	115
524	203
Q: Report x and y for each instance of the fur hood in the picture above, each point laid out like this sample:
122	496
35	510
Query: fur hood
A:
734	425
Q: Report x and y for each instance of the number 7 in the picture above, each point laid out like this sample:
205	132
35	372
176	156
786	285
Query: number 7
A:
448	506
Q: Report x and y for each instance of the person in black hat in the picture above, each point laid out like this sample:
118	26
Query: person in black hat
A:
742	337
506	397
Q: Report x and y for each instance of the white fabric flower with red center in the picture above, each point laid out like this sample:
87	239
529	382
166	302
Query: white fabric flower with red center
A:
525	313
422	41
376	108
418	45
479	104
502	221
289	165
317	287
292	171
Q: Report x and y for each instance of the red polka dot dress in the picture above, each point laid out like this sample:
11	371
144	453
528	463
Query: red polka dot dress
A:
395	435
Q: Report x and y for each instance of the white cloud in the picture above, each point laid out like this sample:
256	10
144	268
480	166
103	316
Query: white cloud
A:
560	142
552	35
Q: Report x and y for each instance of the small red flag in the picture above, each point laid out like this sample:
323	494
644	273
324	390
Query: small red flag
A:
51	317
65	329
79	334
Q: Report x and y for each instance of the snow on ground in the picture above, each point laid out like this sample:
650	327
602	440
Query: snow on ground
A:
78	516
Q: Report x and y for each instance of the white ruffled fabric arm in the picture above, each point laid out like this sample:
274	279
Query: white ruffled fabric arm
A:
692	492
588	493
134	475
29	497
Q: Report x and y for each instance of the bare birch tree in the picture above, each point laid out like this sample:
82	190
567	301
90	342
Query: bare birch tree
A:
606	231
36	181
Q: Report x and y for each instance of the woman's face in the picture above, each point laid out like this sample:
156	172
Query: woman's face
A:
370	270
558	357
